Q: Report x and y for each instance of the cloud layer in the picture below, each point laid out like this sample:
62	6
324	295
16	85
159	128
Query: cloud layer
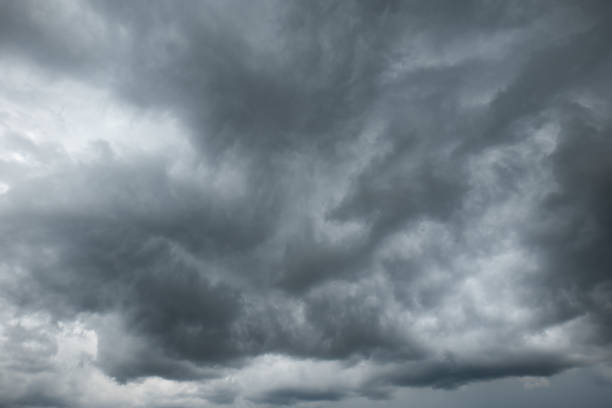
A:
275	203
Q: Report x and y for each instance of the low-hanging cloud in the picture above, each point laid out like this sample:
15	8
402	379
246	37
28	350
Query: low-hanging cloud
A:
285	202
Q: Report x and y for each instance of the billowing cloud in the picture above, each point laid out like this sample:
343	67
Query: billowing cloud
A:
278	203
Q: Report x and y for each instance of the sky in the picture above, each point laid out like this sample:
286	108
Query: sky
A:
282	203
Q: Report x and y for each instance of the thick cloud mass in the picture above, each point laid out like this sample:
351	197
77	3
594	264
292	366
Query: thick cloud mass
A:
261	203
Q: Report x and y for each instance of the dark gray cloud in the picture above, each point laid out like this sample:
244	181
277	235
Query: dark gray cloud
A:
343	198
451	373
574	229
288	396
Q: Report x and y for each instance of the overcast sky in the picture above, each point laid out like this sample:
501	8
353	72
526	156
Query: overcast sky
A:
305	203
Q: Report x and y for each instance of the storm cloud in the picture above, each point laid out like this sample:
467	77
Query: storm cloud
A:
263	203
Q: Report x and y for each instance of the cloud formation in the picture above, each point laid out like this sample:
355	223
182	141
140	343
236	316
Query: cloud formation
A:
278	203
